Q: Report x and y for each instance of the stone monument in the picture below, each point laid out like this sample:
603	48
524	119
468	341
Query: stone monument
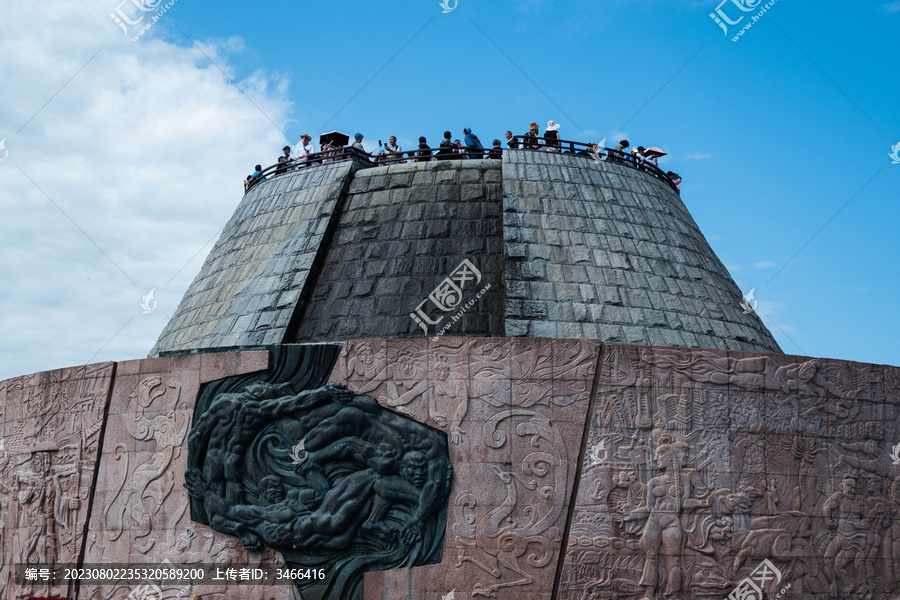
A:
528	378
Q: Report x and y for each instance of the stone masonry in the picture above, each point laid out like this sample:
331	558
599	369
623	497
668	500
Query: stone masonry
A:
570	247
599	250
404	229
252	280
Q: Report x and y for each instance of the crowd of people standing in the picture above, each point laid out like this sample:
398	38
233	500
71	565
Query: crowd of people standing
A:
304	153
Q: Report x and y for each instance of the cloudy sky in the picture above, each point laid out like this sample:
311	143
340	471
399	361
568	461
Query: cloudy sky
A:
124	151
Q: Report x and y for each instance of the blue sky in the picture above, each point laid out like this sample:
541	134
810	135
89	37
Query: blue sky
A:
125	157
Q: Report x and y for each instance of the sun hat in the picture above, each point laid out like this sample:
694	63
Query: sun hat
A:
305	136
551	126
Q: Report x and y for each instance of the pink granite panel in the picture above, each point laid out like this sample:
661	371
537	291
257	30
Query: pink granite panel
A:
702	464
51	426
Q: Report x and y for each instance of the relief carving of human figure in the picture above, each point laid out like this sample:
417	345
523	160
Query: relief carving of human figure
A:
844	512
365	364
447	399
627	494
674	492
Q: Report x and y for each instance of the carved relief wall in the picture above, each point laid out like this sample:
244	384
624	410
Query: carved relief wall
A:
702	464
140	513
578	472
514	411
49	432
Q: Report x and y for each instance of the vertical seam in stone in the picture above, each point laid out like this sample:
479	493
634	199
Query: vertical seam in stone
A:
312	277
90	499
573	498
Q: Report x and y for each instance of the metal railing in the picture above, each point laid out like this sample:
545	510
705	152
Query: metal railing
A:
517	142
316	158
611	155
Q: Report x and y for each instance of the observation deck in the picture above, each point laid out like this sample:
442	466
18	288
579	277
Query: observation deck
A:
564	246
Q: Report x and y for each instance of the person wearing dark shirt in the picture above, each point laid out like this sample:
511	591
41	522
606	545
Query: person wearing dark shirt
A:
530	140
497	151
617	154
424	151
511	142
551	137
282	165
446	149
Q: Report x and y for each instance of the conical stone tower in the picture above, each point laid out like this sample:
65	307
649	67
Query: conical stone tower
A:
569	247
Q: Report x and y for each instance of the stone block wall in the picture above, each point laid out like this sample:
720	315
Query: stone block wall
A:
254	278
569	247
404	229
601	250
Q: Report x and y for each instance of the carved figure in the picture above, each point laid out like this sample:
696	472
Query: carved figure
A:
626	496
844	514
447	399
668	496
363	363
327	477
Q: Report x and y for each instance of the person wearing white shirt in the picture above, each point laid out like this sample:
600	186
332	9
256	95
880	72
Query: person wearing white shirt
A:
304	149
392	147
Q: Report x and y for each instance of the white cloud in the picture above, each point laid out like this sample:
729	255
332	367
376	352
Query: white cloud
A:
698	156
764	264
144	150
890	7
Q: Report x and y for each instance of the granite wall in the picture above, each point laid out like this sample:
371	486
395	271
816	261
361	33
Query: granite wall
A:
580	471
562	247
256	274
404	229
601	250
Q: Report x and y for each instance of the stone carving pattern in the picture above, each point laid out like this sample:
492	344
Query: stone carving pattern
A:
496	399
742	459
50	424
146	518
328	478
